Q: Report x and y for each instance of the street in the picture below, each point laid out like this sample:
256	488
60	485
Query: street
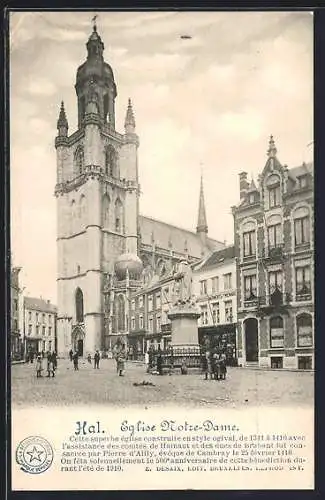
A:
243	387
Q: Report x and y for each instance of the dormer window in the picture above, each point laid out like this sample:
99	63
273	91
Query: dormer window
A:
302	181
252	199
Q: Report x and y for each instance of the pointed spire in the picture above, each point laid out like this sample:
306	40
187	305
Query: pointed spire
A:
252	187
62	124
202	226
129	123
272	151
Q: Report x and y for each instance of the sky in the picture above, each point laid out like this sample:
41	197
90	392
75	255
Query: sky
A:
207	105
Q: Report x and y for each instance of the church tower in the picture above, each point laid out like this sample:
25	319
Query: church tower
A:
97	194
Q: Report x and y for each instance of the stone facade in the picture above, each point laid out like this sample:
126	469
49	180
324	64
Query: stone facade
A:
275	272
98	217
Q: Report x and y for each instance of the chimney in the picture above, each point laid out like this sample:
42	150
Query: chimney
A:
243	184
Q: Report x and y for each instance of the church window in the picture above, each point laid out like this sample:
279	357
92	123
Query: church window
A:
118	216
111	165
106	115
79	306
79	161
106	211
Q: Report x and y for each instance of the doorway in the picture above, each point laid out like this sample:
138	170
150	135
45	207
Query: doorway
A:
80	347
251	339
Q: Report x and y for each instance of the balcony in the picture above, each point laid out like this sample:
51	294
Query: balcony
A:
302	247
274	253
304	294
277	302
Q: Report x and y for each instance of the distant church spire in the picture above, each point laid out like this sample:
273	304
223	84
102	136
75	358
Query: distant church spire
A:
129	123
202	226
272	151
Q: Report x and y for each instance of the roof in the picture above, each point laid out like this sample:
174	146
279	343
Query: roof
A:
219	256
39	304
305	168
168	236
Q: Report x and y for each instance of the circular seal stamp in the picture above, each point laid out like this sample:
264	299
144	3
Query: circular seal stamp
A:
34	455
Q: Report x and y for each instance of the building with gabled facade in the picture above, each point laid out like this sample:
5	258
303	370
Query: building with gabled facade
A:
107	251
274	243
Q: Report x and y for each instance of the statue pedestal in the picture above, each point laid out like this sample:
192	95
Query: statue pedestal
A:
184	327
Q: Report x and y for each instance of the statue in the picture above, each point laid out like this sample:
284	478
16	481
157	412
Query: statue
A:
183	284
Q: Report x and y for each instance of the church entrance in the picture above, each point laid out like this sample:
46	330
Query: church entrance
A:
251	339
80	347
78	337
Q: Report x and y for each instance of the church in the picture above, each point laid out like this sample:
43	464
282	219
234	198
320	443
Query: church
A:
107	250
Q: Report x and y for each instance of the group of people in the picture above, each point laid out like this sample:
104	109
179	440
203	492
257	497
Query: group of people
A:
119	354
51	364
214	364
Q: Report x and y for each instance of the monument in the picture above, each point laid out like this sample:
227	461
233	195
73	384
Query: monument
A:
184	312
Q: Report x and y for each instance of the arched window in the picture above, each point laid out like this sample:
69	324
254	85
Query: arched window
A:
249	239
274	191
301	221
118	216
276	332
161	268
111	166
79	160
304	330
106	211
274	232
79	306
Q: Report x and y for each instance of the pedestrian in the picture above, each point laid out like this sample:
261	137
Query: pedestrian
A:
55	360
89	358
32	357
159	361
39	366
50	366
71	354
96	359
75	361
207	365
147	361
43	354
120	360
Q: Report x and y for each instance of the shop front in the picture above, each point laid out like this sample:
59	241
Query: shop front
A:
222	337
136	345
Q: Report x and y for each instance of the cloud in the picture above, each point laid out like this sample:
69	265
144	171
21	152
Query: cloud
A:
41	87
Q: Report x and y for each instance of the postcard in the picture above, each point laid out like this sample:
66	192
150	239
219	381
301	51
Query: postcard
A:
162	250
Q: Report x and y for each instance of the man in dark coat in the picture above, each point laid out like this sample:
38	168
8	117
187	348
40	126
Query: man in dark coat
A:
71	354
75	360
96	359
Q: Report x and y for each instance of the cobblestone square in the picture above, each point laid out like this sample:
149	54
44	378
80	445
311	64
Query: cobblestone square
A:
244	387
